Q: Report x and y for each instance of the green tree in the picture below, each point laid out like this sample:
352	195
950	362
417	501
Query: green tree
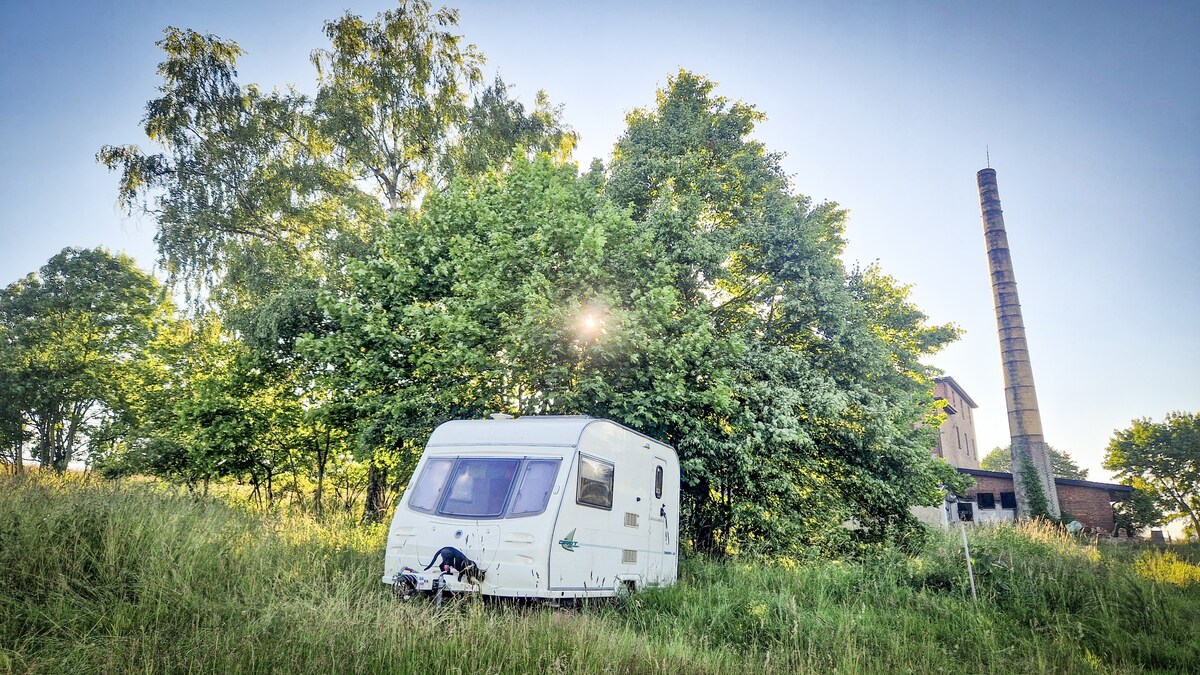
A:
1000	459
73	332
13	432
263	199
480	304
824	386
720	320
391	93
498	124
241	192
1138	511
1163	459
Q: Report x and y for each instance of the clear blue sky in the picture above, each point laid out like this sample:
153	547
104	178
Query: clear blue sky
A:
1091	111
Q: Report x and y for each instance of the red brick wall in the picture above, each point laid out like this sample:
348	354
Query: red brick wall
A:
1090	506
990	484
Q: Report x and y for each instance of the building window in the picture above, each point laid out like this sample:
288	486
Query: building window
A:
986	500
965	512
959	437
1008	500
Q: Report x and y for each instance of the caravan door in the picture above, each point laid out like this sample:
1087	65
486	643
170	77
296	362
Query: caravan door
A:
659	540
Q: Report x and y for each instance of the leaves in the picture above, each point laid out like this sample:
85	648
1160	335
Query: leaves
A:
1000	459
72	336
408	247
1163	460
392	91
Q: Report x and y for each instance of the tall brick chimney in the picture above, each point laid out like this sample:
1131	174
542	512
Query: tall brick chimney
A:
1024	420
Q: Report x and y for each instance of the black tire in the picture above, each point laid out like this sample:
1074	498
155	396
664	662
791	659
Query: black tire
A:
404	588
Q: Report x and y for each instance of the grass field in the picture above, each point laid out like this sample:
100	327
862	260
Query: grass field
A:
96	577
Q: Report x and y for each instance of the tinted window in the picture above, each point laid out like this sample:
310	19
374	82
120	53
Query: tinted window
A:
595	483
658	477
534	488
479	487
428	489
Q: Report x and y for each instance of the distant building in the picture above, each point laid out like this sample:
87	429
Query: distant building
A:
993	499
956	442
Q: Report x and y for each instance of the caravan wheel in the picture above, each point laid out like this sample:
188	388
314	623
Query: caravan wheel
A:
625	590
404	587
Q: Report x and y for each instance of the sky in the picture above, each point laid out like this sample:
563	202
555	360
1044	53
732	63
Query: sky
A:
1089	111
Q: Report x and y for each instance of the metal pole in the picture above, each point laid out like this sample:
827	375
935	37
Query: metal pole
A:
967	555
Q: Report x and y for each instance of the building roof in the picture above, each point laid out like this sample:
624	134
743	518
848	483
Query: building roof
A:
954	385
1111	487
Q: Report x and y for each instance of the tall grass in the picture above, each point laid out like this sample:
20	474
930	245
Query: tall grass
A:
100	578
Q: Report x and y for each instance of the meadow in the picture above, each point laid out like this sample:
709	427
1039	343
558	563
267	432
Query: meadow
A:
97	576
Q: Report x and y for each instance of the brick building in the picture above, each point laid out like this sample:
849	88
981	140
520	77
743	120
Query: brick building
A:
993	498
956	440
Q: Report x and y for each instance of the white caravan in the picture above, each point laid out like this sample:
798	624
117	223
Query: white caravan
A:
547	506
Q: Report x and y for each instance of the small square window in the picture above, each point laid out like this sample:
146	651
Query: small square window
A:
965	512
1008	500
986	500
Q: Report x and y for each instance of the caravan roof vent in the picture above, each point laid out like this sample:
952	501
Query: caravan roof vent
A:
501	416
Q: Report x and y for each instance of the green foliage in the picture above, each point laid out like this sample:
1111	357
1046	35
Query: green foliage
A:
73	335
718	319
1163	460
478	305
100	577
262	200
391	93
1039	503
825	389
242	191
496	124
1000	459
1138	510
688	292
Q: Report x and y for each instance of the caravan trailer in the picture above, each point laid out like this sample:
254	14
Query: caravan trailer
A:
546	506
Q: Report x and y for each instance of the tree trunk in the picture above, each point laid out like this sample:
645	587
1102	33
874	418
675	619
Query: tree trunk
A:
376	491
322	459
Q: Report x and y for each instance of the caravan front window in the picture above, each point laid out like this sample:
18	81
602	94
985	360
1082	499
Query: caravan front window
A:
533	493
427	491
479	487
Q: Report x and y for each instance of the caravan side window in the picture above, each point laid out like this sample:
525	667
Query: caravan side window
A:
533	492
595	483
427	491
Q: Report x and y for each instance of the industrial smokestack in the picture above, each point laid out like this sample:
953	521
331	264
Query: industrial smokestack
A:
1030	458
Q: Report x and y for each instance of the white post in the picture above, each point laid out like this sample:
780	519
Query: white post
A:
967	555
